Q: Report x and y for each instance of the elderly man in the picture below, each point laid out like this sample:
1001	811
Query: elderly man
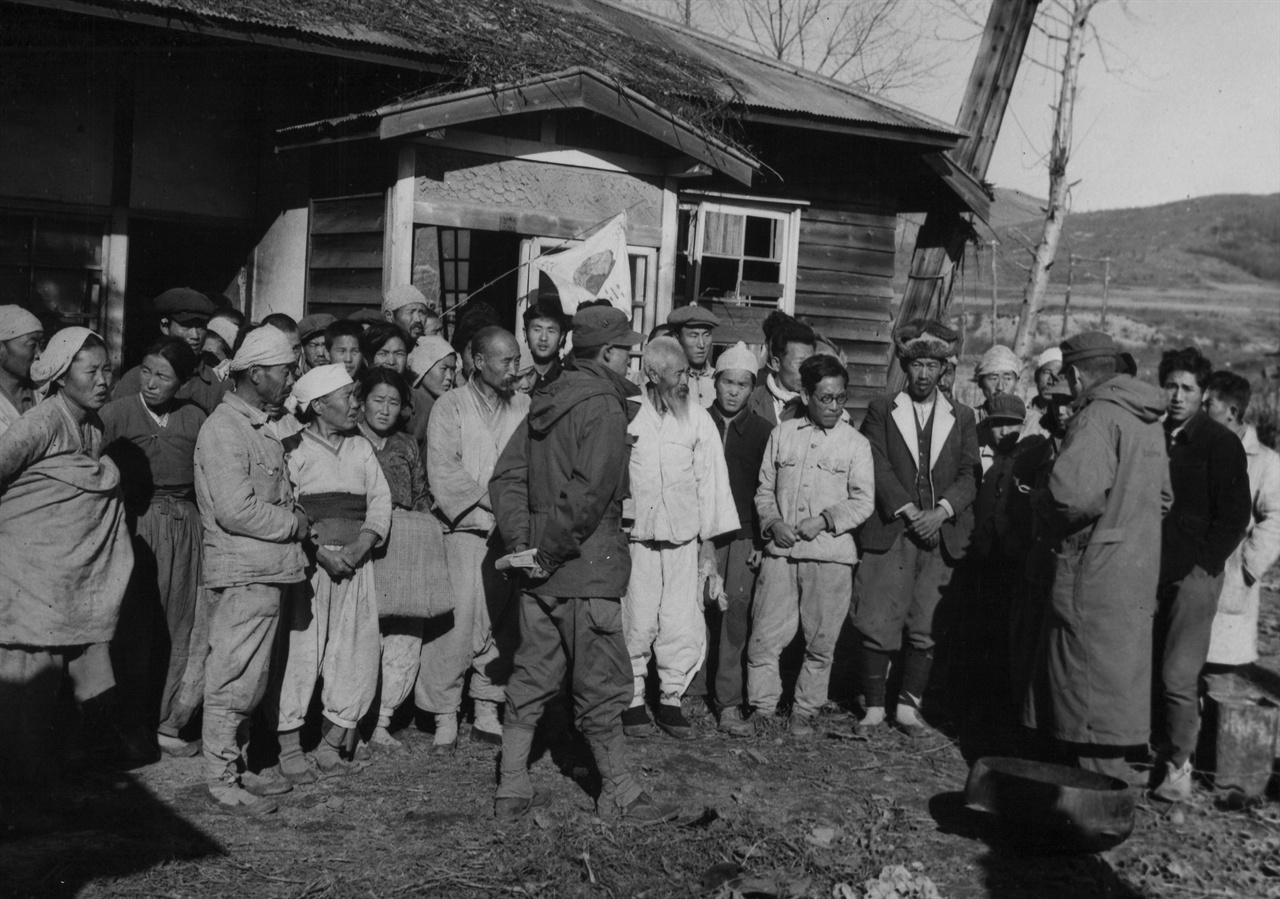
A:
558	491
692	326
545	330
926	462
1234	640
252	551
184	313
1209	473
680	491
1109	489
777	397
406	306
469	428
20	334
311	332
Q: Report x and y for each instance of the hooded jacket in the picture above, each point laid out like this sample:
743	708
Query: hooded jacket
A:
559	484
1103	507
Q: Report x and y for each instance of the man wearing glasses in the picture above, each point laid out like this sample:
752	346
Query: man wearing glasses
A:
926	475
817	484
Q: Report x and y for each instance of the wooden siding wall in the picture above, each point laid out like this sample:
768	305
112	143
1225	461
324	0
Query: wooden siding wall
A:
344	267
844	272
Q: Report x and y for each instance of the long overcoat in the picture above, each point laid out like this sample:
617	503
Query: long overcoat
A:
1104	502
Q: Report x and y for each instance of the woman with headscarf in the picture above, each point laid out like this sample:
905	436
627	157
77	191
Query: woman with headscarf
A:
333	620
384	345
65	556
151	436
433	369
408	571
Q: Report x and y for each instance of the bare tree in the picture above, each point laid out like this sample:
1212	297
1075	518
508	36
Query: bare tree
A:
872	44
1069	27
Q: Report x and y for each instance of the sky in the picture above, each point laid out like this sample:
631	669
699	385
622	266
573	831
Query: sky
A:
1187	103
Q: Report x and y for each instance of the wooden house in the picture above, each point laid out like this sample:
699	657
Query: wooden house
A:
261	154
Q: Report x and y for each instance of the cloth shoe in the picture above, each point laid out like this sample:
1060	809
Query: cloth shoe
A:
1177	785
446	738
381	737
270	782
802	725
328	754
871	721
176	747
636	722
643	810
733	724
296	767
672	720
909	722
486	728
230	798
510	807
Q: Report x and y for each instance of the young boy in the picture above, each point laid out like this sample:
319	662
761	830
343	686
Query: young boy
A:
817	483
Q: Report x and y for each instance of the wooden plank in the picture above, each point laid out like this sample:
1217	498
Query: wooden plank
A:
398	239
870	217
353	288
844	259
850	329
456	214
348	216
810	280
835	234
866	376
351	250
845	305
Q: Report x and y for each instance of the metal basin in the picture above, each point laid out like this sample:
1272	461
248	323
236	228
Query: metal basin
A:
1051	806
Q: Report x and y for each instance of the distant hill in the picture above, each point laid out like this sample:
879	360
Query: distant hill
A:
1227	238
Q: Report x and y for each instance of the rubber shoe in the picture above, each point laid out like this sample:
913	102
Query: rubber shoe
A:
511	807
643	810
300	770
673	721
636	722
733	724
1177	785
230	798
908	721
268	783
801	725
872	721
381	738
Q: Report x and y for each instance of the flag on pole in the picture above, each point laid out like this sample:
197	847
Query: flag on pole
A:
597	268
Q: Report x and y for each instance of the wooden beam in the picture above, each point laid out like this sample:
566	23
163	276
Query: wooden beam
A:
398	236
459	214
114	280
554	154
667	251
936	139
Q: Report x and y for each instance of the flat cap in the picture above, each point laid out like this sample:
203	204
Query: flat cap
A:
184	306
1005	407
597	326
314	324
1088	345
690	316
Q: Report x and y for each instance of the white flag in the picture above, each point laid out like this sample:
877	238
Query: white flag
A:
597	268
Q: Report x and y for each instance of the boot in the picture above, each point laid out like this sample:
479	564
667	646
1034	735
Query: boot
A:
294	765
486	728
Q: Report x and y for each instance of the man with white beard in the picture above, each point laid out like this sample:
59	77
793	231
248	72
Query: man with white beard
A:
680	496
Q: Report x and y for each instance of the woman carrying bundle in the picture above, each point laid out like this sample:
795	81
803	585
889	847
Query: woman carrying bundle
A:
333	619
151	436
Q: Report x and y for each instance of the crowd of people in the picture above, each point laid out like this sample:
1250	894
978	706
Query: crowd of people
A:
506	532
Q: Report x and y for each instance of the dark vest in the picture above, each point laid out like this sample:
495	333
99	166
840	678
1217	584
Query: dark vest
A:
924	440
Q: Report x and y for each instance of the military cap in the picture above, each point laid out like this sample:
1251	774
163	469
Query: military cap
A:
597	326
184	306
692	316
314	324
1088	345
1005	407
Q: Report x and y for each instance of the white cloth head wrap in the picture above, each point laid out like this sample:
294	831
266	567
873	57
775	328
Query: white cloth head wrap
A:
16	321
738	358
425	354
224	328
526	359
59	354
403	295
263	346
320	381
1053	354
997	359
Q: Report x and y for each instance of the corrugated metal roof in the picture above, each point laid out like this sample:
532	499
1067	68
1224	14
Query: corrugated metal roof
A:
756	81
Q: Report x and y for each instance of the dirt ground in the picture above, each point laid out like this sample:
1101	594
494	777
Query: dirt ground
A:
768	816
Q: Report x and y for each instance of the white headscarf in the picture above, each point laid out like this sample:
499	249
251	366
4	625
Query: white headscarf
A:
997	359
425	354
403	295
224	328
263	346
16	321
59	354
738	358
319	382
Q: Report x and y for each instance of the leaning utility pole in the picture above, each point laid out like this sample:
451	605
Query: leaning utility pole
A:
1059	153
941	239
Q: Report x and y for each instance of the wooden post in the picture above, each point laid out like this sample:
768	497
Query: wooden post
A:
397	255
1066	301
995	295
1004	39
664	299
1106	285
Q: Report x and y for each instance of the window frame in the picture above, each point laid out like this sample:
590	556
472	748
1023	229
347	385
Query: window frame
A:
787	212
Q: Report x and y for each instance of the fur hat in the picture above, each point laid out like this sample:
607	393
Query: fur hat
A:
923	339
